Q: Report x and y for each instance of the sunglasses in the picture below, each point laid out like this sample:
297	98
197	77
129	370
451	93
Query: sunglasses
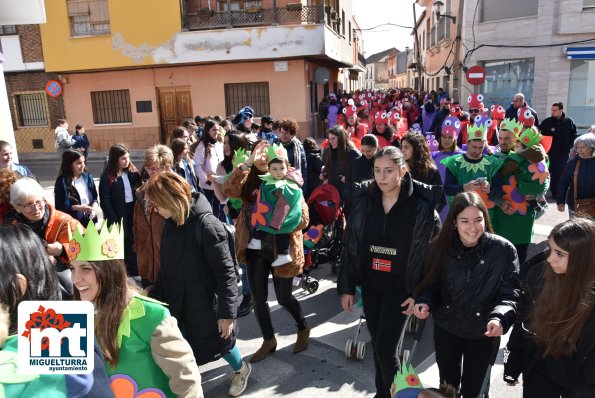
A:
473	110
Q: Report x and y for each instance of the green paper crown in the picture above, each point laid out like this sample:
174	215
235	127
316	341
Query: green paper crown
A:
97	246
530	137
239	156
276	151
512	125
476	132
405	379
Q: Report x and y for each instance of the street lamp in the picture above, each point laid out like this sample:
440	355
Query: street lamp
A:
438	7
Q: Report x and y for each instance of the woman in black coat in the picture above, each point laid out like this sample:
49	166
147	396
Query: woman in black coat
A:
337	158
471	288
314	165
197	278
117	186
553	342
387	236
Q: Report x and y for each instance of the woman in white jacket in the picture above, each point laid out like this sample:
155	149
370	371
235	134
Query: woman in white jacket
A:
208	155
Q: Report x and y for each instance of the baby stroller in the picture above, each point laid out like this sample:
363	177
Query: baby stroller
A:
322	239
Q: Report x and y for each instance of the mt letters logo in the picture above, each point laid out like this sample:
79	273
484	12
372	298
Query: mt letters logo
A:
56	337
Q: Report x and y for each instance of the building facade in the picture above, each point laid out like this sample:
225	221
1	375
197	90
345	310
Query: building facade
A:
378	70
553	66
131	71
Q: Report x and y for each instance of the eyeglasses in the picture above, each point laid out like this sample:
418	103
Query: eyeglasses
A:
473	110
33	206
155	169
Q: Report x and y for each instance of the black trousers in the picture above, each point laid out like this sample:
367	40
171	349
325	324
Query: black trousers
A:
557	164
259	269
385	323
129	253
476	356
537	384
281	241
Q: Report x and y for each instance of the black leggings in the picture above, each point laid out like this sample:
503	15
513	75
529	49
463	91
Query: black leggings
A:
475	354
385	321
259	269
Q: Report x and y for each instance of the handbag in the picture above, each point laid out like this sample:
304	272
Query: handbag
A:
586	206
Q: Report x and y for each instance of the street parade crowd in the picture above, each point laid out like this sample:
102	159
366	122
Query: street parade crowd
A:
433	203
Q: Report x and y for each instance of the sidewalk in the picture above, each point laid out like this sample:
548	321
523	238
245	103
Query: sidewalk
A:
94	156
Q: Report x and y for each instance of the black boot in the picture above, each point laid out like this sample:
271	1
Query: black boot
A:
247	305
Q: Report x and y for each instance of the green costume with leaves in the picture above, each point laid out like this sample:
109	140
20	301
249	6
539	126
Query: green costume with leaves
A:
268	196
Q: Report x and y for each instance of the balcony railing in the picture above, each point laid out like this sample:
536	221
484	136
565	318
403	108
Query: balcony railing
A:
204	20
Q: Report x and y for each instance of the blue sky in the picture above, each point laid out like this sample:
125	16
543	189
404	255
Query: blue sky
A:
370	13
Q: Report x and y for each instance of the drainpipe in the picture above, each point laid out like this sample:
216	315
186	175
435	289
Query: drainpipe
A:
457	64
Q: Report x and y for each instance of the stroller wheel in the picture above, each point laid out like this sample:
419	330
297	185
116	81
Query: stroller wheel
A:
361	350
349	348
312	286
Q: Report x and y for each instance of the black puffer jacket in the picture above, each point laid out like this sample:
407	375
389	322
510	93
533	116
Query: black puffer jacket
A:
475	286
198	282
427	224
361	169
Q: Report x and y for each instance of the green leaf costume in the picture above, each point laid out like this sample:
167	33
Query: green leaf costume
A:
268	196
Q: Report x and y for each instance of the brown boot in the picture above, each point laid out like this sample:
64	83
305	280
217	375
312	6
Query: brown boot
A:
303	337
265	349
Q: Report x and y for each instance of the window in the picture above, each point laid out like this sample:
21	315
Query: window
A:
588	5
8	30
234	5
31	109
88	17
238	95
581	92
343	22
505	78
507	9
349	32
111	106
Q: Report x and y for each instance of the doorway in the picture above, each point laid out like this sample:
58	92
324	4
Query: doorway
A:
175	105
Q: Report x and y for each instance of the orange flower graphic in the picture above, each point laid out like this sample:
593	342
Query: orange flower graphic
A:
124	386
512	196
110	248
74	248
539	172
412	380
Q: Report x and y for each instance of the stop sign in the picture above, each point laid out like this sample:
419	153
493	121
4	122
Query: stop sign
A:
476	75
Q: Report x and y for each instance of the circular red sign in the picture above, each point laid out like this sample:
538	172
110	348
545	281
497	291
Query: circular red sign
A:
476	75
53	88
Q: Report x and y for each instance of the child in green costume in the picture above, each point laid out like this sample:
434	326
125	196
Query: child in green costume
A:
278	208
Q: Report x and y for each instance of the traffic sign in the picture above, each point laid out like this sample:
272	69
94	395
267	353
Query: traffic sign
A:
53	88
476	75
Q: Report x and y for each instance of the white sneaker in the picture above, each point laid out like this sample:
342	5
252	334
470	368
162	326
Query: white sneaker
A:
281	260
255	244
239	380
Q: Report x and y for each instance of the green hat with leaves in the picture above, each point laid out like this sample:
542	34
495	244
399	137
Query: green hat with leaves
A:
530	137
406	383
476	132
93	245
276	151
240	156
512	125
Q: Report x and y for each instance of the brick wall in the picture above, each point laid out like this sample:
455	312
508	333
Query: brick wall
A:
28	82
30	43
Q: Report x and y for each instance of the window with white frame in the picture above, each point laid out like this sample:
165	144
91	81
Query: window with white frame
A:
507	9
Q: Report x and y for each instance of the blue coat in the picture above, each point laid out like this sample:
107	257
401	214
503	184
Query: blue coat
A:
111	195
81	141
585	178
64	200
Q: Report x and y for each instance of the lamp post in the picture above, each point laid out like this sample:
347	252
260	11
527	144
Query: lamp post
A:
438	8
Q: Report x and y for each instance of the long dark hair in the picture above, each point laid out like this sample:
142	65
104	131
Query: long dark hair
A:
68	158
566	300
115	153
344	145
21	252
206	139
77	128
421	161
110	303
177	147
236	140
441	249
388	132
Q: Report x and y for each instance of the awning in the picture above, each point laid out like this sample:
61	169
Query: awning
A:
580	52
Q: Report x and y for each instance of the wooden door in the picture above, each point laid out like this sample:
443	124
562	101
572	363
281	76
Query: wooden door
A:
175	105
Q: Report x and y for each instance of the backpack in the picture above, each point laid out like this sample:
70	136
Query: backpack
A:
230	230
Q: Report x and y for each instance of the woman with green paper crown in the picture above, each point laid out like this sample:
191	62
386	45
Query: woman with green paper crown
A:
278	210
143	347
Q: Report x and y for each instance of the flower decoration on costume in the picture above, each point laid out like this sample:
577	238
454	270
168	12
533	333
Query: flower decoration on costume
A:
74	248
539	172
260	210
110	248
412	379
406	383
124	386
513	197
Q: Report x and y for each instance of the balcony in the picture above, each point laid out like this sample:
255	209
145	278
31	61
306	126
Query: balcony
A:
258	16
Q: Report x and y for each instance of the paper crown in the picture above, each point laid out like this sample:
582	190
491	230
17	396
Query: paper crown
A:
476	132
512	126
350	110
483	120
451	126
475	101
108	244
406	383
526	117
530	137
381	118
497	111
276	151
239	156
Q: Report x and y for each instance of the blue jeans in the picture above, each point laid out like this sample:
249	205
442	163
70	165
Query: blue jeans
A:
245	282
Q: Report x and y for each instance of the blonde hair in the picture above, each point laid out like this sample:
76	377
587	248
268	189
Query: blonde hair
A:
171	192
159	154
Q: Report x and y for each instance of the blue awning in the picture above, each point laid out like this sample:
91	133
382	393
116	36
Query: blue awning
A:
580	52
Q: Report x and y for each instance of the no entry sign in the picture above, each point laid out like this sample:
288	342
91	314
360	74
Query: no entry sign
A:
476	75
53	88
